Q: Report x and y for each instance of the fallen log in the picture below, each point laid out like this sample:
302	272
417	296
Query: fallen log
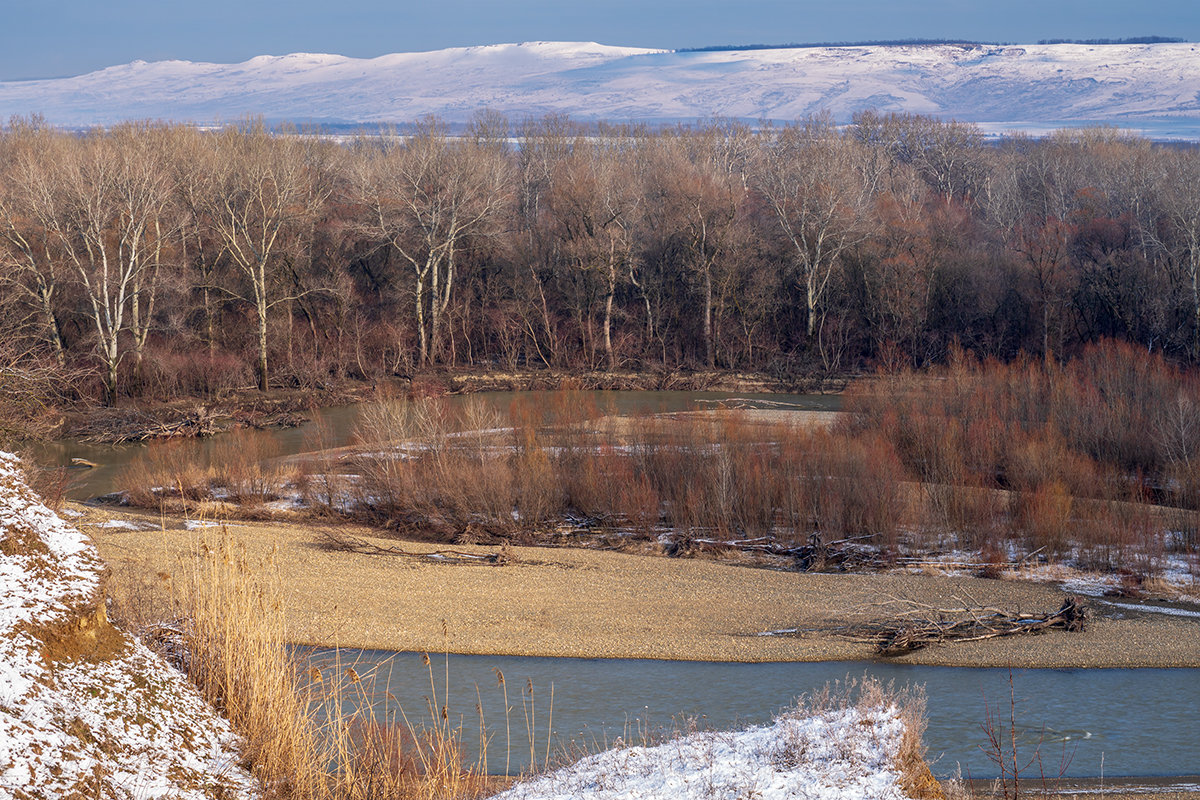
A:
897	637
345	543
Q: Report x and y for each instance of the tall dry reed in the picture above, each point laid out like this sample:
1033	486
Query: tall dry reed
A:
312	735
726	475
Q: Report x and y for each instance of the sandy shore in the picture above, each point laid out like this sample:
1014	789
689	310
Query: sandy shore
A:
600	604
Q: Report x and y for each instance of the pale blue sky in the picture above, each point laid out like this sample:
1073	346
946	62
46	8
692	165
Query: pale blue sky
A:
43	38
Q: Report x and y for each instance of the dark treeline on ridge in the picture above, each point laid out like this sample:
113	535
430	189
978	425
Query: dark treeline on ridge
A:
1128	40
718	48
155	262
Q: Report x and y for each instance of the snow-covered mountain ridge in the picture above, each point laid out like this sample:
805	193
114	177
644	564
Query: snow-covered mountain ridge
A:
1153	87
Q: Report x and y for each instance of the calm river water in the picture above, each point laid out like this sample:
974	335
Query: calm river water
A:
1111	722
337	426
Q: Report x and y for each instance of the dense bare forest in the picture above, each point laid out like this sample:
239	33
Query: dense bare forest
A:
154	261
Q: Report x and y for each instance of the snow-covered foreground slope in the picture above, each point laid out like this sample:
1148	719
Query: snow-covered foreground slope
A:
848	753
1155	88
84	711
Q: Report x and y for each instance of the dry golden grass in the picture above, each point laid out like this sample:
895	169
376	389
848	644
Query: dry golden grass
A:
308	736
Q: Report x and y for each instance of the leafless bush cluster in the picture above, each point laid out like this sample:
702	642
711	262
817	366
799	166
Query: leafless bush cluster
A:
32	388
1093	453
1078	462
166	261
545	464
1086	462
242	467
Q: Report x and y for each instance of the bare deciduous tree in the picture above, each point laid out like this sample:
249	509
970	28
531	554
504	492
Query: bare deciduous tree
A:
949	155
1180	198
1032	194
808	174
593	202
424	197
695	190
28	265
104	210
263	188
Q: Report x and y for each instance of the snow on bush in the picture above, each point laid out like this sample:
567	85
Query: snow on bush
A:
826	755
112	720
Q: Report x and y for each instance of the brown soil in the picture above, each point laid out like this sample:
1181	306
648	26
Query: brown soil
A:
591	603
85	636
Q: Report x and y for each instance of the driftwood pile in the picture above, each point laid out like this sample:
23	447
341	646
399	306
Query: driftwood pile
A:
283	419
897	637
843	555
345	543
123	429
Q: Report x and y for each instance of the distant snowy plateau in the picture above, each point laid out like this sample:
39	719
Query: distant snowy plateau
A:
1154	89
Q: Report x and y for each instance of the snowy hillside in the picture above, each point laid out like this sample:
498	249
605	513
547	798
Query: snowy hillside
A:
85	711
1155	88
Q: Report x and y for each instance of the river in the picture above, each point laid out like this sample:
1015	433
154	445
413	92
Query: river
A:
335	427
1110	722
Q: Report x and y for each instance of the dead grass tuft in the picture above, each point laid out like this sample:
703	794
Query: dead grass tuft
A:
308	736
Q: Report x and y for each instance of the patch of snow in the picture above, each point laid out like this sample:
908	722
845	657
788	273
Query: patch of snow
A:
444	557
1089	585
1123	788
1175	571
1174	612
828	756
127	727
120	524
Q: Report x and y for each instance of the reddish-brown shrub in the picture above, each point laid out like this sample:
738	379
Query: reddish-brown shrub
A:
165	470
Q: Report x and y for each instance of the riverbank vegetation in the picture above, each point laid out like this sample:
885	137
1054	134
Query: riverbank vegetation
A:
1095	457
979	465
147	263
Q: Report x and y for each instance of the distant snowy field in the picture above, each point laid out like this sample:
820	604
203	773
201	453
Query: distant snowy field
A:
1154	89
